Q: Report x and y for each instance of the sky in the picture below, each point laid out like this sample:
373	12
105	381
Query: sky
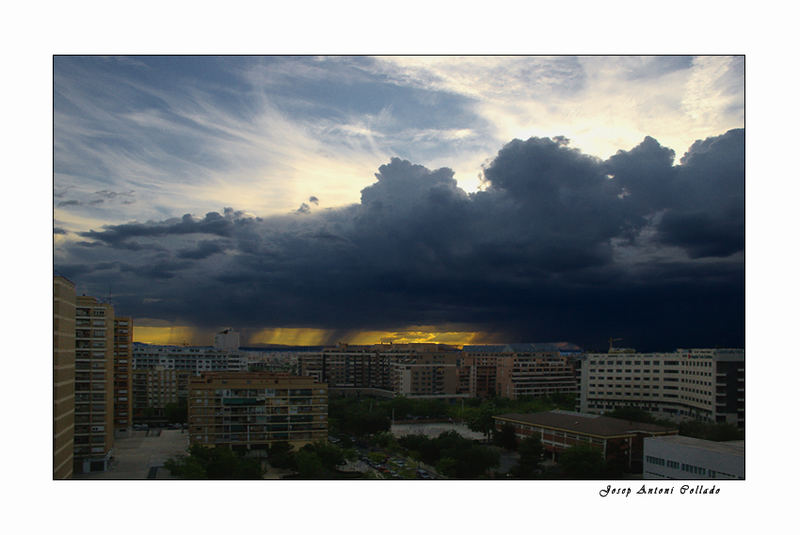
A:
312	200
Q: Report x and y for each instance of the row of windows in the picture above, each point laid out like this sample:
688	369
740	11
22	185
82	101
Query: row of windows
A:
690	468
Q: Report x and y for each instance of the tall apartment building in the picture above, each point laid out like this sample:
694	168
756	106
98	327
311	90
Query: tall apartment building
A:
161	375
271	361
478	371
155	388
414	370
426	374
195	359
252	410
123	377
703	384
438	370
63	377
94	384
517	370
347	366
227	340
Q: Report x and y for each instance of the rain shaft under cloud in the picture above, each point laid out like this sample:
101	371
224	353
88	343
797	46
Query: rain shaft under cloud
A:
557	245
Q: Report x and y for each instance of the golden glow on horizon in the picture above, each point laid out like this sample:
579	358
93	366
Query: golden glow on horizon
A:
301	336
305	336
291	336
172	335
457	338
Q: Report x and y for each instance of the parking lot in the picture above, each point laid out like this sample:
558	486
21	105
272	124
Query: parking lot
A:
136	456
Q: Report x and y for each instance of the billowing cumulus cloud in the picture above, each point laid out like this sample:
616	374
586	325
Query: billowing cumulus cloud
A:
556	245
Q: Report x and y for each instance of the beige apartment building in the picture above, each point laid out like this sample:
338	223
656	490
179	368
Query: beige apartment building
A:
535	374
349	367
426	374
123	378
516	370
94	384
155	388
439	370
251	410
63	377
413	369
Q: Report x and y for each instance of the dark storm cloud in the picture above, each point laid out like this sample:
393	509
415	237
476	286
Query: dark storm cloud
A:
204	249
559	245
212	223
710	175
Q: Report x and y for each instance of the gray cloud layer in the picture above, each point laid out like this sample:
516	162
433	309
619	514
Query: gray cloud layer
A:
558	245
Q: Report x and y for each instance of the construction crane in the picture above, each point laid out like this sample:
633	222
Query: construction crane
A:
611	343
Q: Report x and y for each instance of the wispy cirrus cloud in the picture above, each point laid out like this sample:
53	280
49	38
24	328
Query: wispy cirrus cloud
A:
188	134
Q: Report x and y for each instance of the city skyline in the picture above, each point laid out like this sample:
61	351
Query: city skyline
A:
517	199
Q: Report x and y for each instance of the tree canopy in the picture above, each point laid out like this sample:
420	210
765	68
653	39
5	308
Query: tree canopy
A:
218	462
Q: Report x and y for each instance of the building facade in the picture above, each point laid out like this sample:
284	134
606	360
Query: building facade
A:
123	376
194	359
518	370
154	389
63	377
160	376
227	340
679	457
252	410
426	374
349	367
702	384
94	384
438	370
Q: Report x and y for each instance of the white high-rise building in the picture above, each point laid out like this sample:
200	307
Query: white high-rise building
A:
704	384
227	340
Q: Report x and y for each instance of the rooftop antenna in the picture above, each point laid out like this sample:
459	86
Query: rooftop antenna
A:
611	341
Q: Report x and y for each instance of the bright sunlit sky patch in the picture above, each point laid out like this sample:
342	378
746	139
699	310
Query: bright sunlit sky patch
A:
141	138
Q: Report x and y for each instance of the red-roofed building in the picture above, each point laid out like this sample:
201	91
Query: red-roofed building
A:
619	440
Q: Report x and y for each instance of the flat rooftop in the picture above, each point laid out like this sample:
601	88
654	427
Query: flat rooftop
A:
582	423
731	447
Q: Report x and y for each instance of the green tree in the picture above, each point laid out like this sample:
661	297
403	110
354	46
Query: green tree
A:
280	455
582	462
483	421
475	461
309	464
506	437
530	454
219	462
330	455
447	466
387	441
711	431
